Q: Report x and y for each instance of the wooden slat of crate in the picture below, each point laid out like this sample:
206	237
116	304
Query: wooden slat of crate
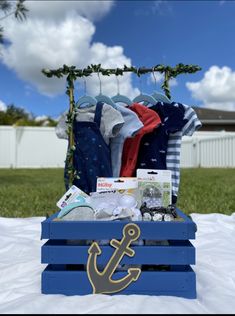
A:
179	230
178	252
57	280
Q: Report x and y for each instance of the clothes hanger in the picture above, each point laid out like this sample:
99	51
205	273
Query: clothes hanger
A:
104	98
157	95
160	97
120	97
89	100
148	99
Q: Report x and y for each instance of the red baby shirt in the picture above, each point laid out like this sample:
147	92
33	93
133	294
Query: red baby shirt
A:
150	120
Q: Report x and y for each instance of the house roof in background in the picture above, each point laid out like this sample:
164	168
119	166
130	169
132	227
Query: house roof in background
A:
215	116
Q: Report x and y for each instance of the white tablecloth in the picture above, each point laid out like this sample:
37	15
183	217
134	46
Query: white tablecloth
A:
20	274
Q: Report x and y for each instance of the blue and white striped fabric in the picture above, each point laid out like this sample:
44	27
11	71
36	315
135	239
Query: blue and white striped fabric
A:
174	148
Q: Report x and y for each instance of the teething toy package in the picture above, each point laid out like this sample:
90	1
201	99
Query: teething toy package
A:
74	194
124	185
106	200
112	205
154	187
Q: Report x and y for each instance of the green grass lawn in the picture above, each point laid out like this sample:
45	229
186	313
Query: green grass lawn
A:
34	192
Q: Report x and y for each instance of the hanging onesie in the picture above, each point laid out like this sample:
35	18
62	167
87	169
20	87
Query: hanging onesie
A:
92	157
174	146
130	128
151	121
153	147
111	121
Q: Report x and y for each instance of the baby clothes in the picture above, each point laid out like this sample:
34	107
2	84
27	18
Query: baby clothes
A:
92	157
174	147
111	121
131	126
151	121
153	147
61	127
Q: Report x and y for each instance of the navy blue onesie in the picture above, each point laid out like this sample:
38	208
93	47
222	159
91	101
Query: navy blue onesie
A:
153	147
92	157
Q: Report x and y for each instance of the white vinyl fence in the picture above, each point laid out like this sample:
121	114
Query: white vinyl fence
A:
39	147
214	150
31	147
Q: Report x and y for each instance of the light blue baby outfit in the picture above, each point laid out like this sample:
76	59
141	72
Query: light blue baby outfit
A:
131	126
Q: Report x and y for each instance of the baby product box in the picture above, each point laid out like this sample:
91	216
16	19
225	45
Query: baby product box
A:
74	194
124	185
154	187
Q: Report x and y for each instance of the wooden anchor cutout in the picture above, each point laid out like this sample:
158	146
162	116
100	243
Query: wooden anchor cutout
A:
101	281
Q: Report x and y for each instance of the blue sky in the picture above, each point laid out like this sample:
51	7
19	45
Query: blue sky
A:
143	33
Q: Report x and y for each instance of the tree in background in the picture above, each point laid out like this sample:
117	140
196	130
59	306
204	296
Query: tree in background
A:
9	8
19	117
12	115
15	115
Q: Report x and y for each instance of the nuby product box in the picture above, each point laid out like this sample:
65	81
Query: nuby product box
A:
124	185
154	187
74	194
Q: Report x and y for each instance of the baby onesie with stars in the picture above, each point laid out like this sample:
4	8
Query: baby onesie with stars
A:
92	157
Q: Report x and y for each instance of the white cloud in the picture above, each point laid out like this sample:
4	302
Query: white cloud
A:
216	89
60	35
47	45
57	10
110	57
3	106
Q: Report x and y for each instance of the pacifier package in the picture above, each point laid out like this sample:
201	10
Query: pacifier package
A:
112	205
124	185
125	189
74	194
106	201
154	187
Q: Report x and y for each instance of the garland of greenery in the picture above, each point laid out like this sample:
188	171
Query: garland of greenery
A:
72	73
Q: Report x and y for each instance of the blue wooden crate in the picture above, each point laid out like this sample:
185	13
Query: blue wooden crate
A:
67	261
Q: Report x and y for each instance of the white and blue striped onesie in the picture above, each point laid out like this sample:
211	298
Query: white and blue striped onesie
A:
174	147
